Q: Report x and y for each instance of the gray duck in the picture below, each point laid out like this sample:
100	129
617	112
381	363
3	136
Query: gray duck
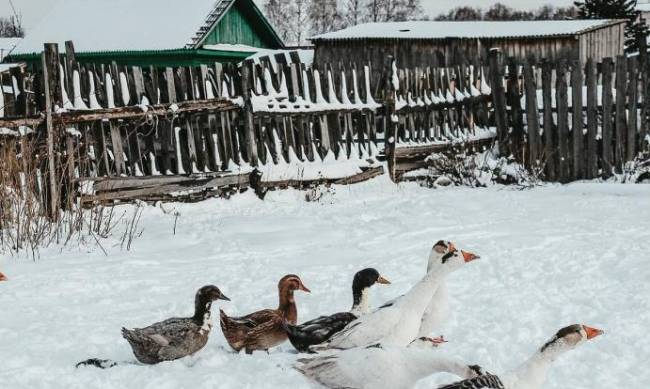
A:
322	328
176	337
264	329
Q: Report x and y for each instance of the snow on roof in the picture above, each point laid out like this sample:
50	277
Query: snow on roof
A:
112	25
476	29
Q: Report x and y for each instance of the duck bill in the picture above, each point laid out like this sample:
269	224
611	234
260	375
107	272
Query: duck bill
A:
382	280
304	288
224	297
3	277
469	257
592	332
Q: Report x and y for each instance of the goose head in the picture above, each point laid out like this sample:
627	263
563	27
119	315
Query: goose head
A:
3	277
569	338
292	282
445	253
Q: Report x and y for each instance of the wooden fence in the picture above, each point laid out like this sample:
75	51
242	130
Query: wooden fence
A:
106	133
572	120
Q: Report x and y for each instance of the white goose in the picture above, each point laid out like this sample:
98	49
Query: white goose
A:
532	373
398	322
379	366
437	311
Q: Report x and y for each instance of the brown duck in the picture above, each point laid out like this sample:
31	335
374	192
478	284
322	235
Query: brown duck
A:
264	329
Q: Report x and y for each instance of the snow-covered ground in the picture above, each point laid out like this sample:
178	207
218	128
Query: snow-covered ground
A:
551	256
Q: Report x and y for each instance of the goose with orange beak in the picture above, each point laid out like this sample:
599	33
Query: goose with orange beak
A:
437	311
532	373
397	323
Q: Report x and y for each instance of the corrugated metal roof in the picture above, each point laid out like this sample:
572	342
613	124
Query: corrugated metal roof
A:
466	30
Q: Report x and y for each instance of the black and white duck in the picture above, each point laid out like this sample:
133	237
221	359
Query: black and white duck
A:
319	330
532	373
177	337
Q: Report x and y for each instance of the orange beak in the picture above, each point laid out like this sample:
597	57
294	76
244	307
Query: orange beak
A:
304	288
451	247
469	257
592	332
3	277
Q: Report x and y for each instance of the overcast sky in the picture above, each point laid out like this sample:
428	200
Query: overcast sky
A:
32	10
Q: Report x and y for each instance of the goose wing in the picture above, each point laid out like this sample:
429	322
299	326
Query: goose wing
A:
318	330
488	381
367	329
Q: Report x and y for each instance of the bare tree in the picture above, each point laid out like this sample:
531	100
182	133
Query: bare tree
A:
300	20
278	13
324	16
10	27
355	12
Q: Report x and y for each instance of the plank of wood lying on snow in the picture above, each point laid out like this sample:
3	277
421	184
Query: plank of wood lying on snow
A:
366	174
177	189
103	184
411	151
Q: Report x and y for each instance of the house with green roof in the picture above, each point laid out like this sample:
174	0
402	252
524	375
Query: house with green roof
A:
151	32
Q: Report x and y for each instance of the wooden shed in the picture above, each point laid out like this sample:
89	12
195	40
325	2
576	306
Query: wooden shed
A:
431	43
152	32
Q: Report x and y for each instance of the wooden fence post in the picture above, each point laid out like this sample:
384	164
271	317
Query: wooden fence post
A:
532	115
607	99
53	96
632	102
644	66
592	119
562	103
514	101
621	125
390	117
499	100
578	124
550	152
249	126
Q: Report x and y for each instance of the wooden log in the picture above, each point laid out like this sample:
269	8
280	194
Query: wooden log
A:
632	107
607	162
550	151
621	122
563	121
532	116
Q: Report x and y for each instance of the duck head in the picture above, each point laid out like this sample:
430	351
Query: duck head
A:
3	277
292	282
445	253
361	284
210	293
569	338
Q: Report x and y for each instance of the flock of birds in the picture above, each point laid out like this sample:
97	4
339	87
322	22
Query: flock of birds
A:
389	347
